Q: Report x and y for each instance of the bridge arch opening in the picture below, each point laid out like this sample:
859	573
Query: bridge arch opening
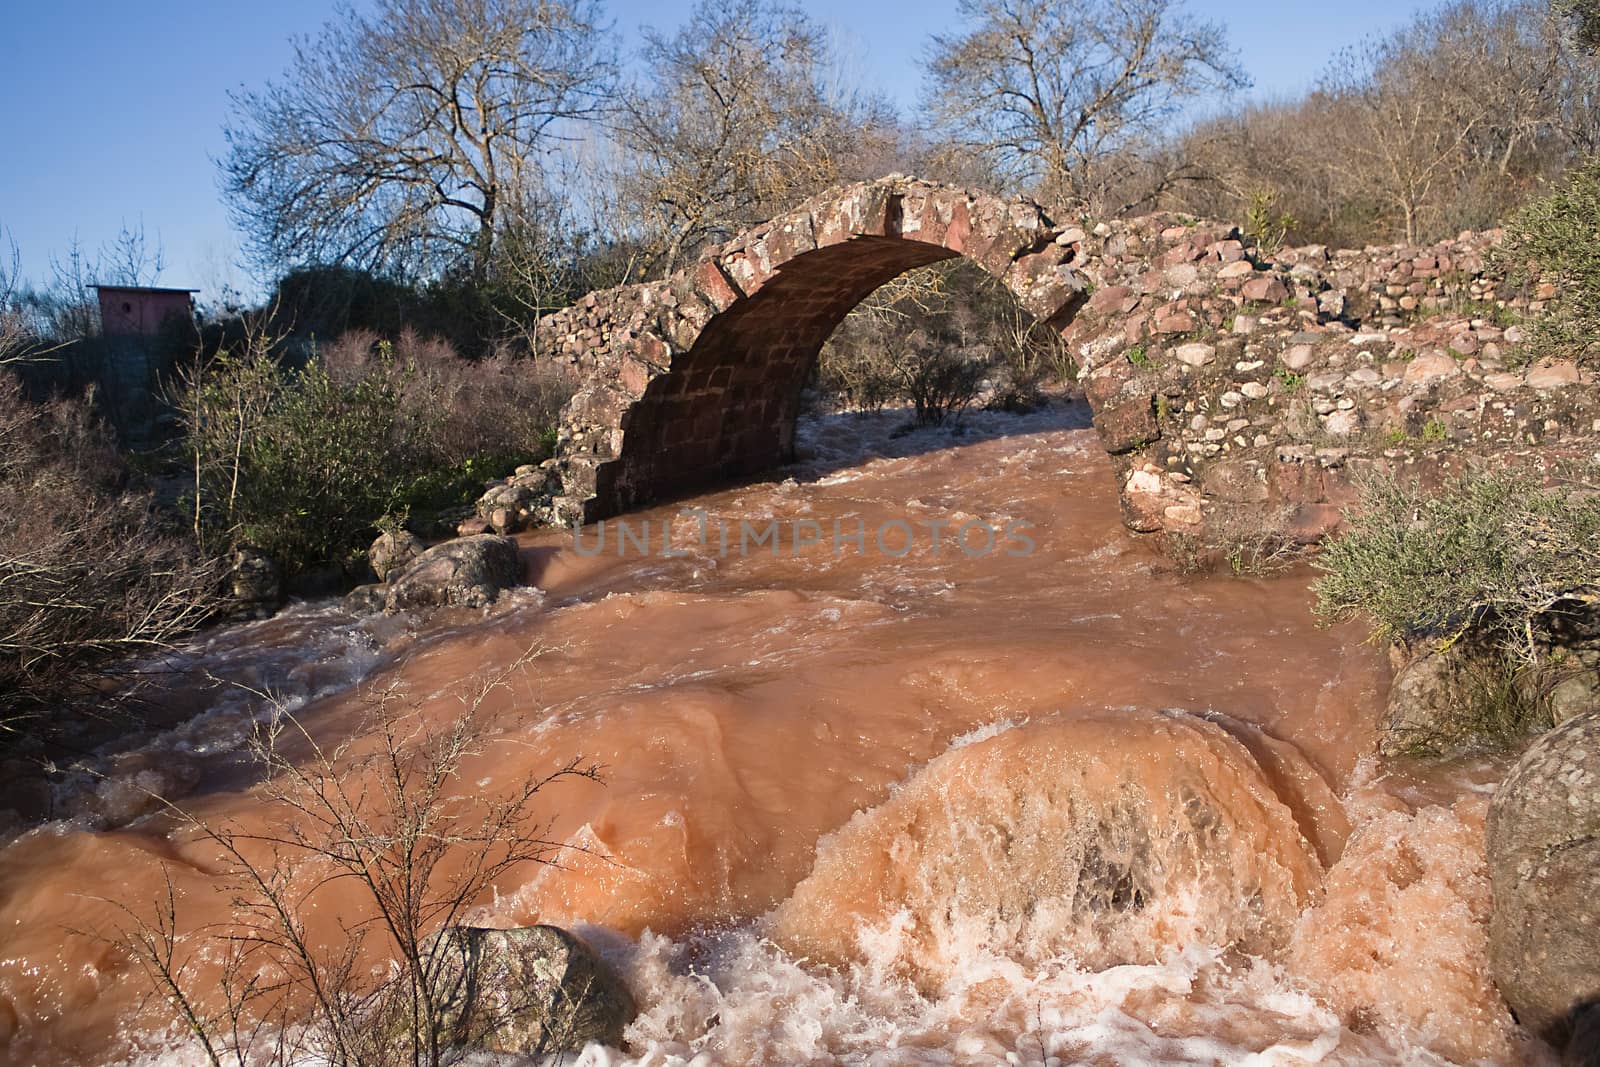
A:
702	383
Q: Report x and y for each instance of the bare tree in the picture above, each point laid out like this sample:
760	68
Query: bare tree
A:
130	259
14	332
404	140
1446	124
1401	145
743	111
1072	99
1459	92
89	576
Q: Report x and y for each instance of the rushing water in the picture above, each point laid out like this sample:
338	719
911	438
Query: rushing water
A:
1035	801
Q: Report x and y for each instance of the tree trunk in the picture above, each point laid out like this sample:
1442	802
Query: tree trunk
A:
483	252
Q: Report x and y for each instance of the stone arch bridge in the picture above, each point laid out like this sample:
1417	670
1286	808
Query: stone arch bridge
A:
1233	390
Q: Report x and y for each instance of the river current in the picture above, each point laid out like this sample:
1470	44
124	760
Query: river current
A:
913	754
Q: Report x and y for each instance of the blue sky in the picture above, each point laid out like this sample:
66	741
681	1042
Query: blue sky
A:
114	111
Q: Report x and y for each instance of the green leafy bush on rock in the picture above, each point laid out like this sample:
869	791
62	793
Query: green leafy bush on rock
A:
1486	571
1494	549
1559	237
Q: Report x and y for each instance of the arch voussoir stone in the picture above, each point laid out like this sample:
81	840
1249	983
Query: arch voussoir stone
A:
697	378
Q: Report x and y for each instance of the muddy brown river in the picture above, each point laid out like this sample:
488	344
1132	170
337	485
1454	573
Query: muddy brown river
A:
1022	796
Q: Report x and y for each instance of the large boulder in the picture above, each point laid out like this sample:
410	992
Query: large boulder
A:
367	599
469	572
392	550
1544	871
529	991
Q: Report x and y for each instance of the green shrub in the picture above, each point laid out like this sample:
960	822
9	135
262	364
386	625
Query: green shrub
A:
1265	223
1559	236
304	458
1493	549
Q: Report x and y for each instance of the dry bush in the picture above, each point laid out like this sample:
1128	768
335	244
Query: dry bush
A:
1494	704
89	576
500	404
15	336
384	816
1248	545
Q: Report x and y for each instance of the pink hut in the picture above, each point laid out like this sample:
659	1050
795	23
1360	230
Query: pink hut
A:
138	310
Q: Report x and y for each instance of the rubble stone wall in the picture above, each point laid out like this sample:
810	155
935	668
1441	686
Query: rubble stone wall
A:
1243	392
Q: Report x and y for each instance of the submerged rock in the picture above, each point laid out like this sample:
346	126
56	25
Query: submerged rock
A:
529	991
366	599
1544	869
469	572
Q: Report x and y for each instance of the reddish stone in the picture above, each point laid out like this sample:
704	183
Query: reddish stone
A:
864	209
635	376
1107	383
1311	523
1127	425
789	237
959	232
711	283
1265	290
1235	481
1110	298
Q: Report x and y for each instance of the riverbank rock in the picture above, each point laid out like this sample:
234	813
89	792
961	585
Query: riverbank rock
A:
521	501
1574	628
469	572
528	991
1437	687
392	551
1544	870
1446	690
253	583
